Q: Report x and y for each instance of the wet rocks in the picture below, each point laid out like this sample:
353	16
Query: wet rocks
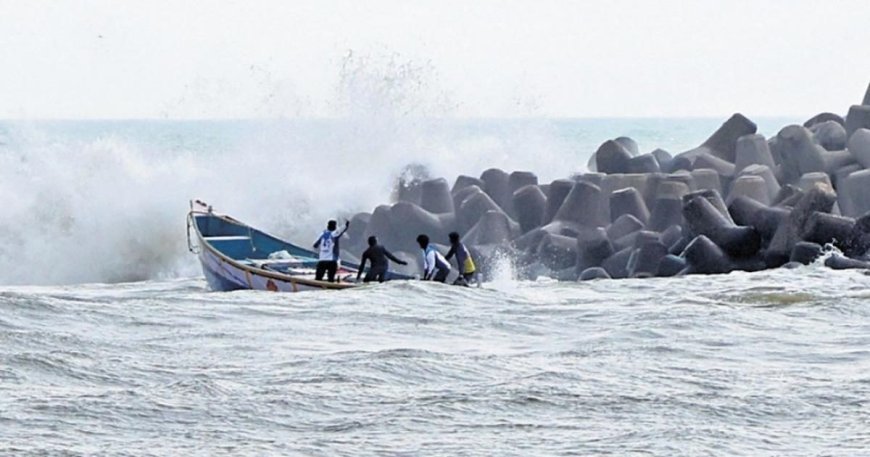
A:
738	201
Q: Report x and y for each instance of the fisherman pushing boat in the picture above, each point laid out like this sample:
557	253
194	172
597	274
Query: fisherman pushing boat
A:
435	266
464	262
378	256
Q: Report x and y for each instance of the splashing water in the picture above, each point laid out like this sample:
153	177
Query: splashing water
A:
502	273
105	201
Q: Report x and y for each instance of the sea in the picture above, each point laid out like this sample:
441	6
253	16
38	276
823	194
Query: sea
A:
112	344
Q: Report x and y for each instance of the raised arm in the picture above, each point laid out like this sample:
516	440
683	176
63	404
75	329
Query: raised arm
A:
346	226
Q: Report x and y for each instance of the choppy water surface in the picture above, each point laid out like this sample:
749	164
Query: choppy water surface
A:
773	363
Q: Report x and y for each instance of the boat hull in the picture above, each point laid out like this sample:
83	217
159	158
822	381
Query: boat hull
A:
236	256
223	275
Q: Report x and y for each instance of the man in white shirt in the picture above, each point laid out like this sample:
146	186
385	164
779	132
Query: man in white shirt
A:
435	266
327	245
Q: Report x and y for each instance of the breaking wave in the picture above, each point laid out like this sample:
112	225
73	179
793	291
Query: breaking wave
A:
96	201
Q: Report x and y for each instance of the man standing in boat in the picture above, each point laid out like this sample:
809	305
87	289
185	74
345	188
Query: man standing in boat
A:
377	255
435	267
327	245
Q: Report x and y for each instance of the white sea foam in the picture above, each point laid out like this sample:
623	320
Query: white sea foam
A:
105	201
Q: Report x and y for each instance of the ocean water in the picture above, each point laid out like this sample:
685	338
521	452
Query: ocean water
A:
771	363
110	343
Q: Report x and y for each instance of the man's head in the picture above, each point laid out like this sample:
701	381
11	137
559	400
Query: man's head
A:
373	240
454	237
331	225
423	241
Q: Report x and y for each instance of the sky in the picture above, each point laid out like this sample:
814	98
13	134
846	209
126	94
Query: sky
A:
619	58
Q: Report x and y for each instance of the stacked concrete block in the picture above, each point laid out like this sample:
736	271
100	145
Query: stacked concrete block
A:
643	215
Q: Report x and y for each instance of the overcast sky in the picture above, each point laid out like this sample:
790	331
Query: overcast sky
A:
183	59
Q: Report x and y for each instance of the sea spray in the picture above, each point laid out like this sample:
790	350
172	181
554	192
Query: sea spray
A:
105	201
96	201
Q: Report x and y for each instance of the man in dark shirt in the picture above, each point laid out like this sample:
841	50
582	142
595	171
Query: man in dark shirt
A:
377	255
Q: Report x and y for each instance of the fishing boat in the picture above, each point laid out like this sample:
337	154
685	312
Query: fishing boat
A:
237	256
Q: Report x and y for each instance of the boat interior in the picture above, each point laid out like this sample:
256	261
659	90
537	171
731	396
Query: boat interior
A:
252	247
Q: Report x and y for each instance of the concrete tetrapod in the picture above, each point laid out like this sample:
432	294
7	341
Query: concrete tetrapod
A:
582	206
496	184
644	261
820	198
858	118
703	256
752	149
593	246
829	135
628	201
435	196
559	189
823	228
805	252
751	213
702	218
530	204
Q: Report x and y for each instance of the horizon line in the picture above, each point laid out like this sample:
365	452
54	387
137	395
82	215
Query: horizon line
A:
437	118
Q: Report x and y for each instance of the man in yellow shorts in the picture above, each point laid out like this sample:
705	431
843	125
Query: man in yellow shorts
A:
463	260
